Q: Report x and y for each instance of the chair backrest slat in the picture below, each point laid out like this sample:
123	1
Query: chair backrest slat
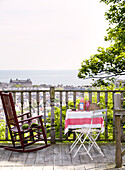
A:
9	109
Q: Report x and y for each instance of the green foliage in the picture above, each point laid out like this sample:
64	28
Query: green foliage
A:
56	100
34	105
105	66
33	125
57	118
25	126
17	85
2	129
35	86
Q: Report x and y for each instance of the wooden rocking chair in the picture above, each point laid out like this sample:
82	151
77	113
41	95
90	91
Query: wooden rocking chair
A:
20	136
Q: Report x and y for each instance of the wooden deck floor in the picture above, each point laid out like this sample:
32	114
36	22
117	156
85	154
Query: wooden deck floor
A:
57	157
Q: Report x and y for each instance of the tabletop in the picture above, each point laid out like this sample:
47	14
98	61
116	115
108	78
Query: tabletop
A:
79	119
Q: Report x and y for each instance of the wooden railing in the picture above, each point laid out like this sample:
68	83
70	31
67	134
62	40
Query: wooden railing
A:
47	102
119	117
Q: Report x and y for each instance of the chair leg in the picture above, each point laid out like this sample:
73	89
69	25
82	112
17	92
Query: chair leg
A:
82	144
79	136
13	136
43	131
92	143
96	145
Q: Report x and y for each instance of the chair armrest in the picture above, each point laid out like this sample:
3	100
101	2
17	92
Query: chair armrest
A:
40	116
23	114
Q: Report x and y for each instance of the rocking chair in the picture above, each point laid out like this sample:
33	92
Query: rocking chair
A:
23	132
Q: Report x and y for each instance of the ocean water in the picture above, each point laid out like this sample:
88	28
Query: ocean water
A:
49	77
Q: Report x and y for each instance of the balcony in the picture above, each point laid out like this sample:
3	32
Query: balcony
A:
45	102
52	104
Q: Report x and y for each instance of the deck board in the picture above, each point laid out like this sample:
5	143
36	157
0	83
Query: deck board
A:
57	157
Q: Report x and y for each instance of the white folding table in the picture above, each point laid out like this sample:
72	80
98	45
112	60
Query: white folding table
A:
84	122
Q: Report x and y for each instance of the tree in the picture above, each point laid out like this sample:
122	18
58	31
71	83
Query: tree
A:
108	64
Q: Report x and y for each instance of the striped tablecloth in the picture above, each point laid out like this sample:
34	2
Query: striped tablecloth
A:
79	119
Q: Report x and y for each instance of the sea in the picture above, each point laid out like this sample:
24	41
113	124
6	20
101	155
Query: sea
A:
48	77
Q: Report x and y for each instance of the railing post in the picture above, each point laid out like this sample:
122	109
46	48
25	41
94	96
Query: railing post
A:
74	99
61	116
66	100
66	109
106	118
52	97
44	105
30	103
22	104
113	117
117	106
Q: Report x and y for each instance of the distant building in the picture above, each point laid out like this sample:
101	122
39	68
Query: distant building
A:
3	85
27	83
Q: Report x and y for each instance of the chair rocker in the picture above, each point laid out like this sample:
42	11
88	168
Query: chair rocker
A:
20	137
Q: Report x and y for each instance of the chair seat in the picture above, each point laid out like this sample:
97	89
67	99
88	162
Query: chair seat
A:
14	129
85	130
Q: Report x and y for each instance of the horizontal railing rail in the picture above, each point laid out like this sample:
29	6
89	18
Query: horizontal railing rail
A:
53	103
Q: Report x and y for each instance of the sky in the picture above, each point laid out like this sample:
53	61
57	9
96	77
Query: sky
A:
50	34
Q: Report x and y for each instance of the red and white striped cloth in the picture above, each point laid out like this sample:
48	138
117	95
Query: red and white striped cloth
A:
80	119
